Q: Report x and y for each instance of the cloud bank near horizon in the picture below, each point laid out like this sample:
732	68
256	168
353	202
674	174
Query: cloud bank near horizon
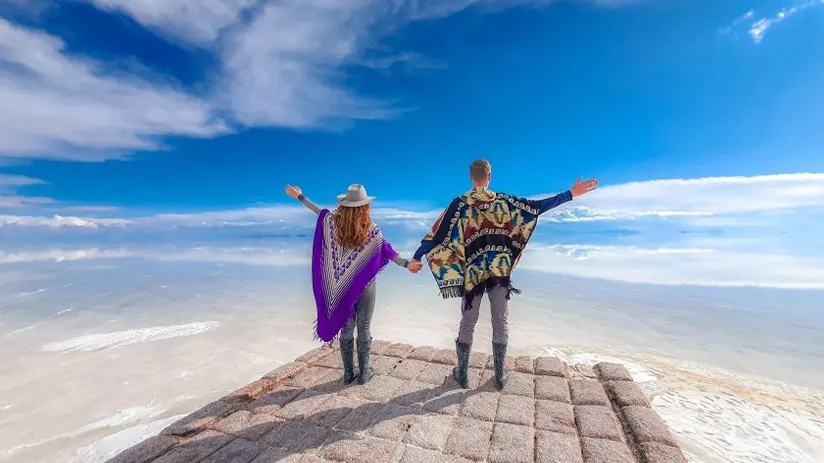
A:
723	199
716	231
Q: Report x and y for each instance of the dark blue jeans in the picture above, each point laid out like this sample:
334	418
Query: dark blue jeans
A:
362	318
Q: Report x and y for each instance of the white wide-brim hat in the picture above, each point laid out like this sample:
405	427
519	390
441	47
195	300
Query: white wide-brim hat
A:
355	196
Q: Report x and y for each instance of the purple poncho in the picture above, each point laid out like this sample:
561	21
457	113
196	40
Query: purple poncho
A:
339	275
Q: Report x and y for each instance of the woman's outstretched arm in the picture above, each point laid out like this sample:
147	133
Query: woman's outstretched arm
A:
295	192
400	261
413	267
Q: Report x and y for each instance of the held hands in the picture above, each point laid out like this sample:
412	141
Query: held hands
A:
293	191
583	188
415	266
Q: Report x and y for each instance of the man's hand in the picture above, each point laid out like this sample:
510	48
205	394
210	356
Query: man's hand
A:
583	188
293	191
415	266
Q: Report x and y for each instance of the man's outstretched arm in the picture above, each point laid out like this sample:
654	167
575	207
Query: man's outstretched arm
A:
554	201
578	189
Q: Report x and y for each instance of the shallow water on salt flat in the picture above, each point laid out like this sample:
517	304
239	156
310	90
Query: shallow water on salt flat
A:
102	352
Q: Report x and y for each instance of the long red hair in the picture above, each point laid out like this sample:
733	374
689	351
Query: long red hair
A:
352	226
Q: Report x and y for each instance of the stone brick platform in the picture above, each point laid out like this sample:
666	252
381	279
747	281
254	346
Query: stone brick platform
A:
413	412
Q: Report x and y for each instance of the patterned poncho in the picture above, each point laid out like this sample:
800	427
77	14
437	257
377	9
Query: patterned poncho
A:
479	239
340	275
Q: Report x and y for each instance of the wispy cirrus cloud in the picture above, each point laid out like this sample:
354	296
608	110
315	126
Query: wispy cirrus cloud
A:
757	29
17	180
64	107
9	199
279	64
198	23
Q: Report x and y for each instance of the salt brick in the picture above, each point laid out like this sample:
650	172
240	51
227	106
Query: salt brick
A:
516	410
646	426
555	417
586	392
511	444
551	366
612	372
469	439
658	453
626	393
551	447
352	448
605	451
430	431
397	350
552	388
597	422
524	364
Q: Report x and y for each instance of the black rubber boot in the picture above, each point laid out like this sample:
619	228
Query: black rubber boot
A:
347	353
460	373
499	356
364	348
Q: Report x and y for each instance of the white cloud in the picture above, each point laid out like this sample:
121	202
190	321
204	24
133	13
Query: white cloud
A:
19	202
743	18
727	198
406	60
282	68
280	64
679	266
709	196
58	106
9	184
281	217
59	221
18	180
8	187
198	22
758	29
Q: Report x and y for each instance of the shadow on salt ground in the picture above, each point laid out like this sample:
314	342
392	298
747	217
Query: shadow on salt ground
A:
342	423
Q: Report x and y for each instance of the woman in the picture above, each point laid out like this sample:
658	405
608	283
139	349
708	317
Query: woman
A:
349	251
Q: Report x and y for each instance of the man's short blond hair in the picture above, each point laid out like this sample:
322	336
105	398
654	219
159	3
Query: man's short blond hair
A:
479	170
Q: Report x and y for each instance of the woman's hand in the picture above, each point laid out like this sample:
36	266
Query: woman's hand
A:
293	191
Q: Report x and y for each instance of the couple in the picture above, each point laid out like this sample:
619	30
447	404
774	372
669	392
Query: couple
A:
472	249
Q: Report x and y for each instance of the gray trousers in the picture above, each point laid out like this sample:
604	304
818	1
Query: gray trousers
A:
499	303
362	318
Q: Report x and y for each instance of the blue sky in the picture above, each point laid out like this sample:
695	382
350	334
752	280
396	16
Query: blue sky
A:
400	100
702	120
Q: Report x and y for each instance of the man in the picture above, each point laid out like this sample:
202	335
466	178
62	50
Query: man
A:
473	248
